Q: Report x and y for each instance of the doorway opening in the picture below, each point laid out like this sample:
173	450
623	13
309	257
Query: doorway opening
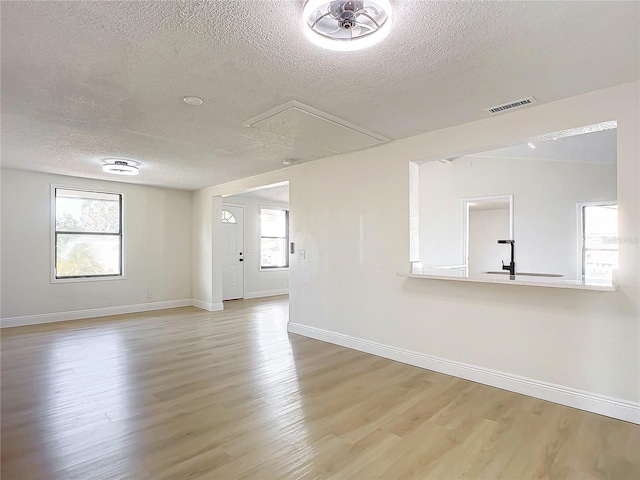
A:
262	267
485	221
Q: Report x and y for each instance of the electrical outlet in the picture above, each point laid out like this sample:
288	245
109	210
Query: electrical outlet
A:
150	294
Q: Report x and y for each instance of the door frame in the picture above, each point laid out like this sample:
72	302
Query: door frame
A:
465	222
237	205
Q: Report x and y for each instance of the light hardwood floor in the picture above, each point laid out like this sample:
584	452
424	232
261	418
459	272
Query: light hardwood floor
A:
185	393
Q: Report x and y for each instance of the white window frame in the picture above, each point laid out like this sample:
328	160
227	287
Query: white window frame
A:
52	240
580	232
273	269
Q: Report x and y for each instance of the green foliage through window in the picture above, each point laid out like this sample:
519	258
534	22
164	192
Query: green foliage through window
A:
88	234
274	238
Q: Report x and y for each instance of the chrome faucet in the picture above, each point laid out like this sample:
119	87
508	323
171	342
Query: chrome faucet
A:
512	265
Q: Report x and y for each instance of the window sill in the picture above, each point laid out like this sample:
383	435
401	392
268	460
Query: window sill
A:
87	279
273	269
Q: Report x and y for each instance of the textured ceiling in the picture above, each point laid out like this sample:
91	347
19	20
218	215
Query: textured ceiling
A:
86	80
278	194
595	147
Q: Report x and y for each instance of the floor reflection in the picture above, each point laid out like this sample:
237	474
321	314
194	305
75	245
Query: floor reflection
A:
87	387
275	379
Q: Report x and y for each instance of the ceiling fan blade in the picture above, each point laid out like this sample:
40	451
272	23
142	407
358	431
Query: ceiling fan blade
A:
364	28
356	31
372	9
319	19
369	21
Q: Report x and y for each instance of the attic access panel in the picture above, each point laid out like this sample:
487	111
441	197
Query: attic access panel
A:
315	130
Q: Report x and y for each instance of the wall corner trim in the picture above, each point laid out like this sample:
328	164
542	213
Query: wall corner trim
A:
103	312
591	402
209	307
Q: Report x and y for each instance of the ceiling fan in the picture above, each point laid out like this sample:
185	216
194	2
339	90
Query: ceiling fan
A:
338	23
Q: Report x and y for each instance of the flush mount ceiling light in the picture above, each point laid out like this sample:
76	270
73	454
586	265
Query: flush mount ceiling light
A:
120	167
346	25
192	101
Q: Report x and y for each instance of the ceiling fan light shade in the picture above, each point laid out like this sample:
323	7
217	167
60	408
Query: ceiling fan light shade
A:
346	25
120	167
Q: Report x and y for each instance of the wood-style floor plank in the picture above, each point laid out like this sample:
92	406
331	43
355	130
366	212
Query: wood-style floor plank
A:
185	393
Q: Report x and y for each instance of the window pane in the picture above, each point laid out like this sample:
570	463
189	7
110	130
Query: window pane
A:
78	211
600	263
601	220
228	217
87	255
274	252
273	223
601	242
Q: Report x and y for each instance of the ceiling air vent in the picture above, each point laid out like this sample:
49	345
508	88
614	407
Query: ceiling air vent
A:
508	106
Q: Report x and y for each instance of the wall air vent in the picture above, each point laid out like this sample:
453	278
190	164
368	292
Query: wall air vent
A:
508	106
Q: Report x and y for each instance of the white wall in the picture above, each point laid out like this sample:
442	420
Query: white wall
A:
350	213
486	227
157	241
258	283
545	198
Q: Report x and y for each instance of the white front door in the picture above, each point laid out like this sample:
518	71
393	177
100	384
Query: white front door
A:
233	253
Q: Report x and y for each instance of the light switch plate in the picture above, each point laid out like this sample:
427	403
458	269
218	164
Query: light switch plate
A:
302	254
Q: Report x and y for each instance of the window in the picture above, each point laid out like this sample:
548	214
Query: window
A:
228	217
87	234
599	240
274	238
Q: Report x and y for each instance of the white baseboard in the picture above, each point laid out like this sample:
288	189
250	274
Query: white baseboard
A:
267	293
103	312
209	307
591	402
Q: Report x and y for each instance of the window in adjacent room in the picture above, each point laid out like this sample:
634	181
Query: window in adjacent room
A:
274	238
87	237
599	240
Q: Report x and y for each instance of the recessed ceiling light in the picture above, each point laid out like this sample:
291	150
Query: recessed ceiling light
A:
120	167
531	145
346	25
193	100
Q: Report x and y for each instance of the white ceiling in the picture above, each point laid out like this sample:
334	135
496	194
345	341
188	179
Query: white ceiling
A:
595	147
86	80
278	194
